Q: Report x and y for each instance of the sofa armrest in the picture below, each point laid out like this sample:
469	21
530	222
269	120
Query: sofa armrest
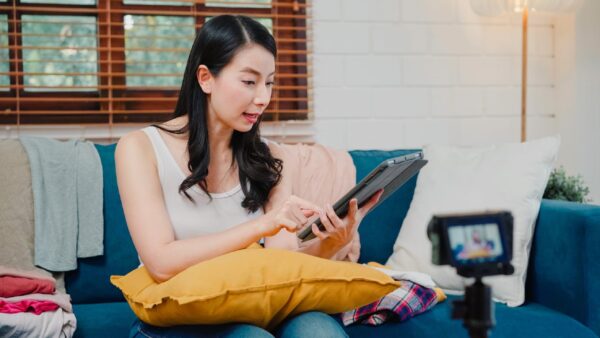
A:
564	270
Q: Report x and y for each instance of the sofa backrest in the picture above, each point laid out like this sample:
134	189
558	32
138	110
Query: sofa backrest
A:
90	282
379	229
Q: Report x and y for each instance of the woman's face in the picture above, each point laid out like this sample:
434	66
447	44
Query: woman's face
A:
242	90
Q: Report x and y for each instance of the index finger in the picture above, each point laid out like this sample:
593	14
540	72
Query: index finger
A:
304	204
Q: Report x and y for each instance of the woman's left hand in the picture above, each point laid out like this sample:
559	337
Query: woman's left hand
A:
339	232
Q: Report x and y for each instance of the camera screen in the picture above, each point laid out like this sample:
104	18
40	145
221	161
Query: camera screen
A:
475	243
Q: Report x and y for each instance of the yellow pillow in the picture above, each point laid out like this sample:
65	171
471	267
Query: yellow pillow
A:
257	286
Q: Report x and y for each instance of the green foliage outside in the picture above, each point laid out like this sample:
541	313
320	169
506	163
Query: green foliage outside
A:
235	3
61	2
4	79
157	46
76	38
567	188
157	2
209	3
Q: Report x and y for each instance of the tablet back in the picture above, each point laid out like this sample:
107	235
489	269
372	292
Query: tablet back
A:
389	175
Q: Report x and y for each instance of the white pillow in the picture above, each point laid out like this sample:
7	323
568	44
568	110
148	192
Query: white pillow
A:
465	179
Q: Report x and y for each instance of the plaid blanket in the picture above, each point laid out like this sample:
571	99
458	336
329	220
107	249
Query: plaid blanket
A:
406	302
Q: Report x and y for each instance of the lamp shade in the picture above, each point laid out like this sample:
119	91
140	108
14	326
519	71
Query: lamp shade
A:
499	7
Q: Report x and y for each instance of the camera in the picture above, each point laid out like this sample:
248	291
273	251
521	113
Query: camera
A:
477	244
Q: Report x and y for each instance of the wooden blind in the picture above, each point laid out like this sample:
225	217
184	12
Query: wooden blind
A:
99	62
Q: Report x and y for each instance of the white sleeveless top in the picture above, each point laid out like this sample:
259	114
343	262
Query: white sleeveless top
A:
203	217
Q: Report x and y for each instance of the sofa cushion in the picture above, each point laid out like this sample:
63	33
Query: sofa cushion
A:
529	320
103	320
377	237
119	256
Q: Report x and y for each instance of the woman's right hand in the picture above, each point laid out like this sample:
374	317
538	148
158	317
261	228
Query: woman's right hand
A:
292	215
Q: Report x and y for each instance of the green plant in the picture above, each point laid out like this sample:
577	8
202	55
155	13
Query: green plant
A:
567	188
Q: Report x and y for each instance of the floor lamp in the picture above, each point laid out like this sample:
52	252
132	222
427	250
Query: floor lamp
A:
500	7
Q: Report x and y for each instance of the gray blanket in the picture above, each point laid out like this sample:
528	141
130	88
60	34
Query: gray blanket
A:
67	191
16	211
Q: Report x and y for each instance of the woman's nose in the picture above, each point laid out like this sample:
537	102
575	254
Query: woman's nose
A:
263	96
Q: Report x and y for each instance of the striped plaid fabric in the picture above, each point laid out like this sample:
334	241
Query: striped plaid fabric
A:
406	302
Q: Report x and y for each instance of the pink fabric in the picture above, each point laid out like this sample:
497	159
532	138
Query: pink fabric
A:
11	286
322	175
61	299
32	274
28	305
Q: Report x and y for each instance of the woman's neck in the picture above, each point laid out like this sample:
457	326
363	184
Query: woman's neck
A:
219	135
219	139
222	170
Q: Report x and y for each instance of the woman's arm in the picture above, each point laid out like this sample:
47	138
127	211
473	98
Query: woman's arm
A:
149	223
279	194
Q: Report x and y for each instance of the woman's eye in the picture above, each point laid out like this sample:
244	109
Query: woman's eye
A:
270	84
249	83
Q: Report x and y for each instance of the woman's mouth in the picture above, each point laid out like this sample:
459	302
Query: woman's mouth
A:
251	117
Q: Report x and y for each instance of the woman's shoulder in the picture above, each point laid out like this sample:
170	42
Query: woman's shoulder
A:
134	144
133	139
177	123
140	139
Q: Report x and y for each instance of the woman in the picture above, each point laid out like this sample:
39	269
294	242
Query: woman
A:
204	183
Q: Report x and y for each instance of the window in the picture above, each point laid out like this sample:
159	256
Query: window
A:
4	79
157	46
119	62
59	52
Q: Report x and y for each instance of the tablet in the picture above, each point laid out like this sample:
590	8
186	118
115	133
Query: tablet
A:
389	175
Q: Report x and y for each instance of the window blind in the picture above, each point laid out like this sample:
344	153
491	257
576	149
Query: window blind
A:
120	62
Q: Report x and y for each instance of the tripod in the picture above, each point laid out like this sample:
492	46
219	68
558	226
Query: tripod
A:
476	309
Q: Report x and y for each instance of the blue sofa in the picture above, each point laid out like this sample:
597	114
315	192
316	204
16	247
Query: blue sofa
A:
563	285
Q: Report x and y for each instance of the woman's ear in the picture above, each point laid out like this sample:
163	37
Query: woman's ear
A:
205	79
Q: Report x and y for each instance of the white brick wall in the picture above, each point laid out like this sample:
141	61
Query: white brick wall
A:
577	88
405	73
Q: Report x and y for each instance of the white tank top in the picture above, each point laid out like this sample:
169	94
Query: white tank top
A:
203	217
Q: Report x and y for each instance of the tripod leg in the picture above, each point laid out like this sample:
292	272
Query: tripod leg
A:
479	317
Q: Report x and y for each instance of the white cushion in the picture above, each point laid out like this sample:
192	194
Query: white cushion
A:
509	176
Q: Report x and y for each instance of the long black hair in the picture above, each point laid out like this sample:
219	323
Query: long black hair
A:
215	45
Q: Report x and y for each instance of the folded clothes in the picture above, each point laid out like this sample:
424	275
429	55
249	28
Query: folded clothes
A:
417	294
27	305
404	303
11	286
61	299
45	325
32	274
420	278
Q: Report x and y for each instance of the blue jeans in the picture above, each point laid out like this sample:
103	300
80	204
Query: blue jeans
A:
308	324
